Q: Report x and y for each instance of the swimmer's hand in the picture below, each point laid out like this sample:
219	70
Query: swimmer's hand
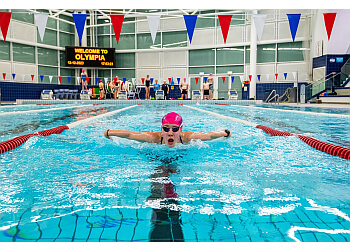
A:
228	133
106	133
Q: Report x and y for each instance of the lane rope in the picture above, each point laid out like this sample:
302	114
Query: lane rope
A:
17	141
316	144
42	110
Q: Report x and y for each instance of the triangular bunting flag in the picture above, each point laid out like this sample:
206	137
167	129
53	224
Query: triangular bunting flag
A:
79	20
259	21
225	21
258	77
50	78
329	19
250	77
223	79
276	75
232	79
293	23
41	78
268	76
169	80
151	80
117	22
241	78
124	79
60	79
78	79
294	75
285	76
40	22
143	80
69	78
190	21
32	77
106	79
133	80
178	80
172	81
196	80
4	75
153	24
13	76
87	79
5	18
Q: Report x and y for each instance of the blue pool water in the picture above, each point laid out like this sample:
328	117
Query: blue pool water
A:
79	186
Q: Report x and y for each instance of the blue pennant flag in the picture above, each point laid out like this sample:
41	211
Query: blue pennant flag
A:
293	23
205	79
42	78
151	80
124	79
258	77
69	79
96	79
172	81
178	80
190	21
13	76
232	79
285	76
79	20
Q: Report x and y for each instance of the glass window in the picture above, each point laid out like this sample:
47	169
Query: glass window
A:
124	73
247	54
128	27
46	72
50	37
125	42
237	19
104	73
201	57
290	52
197	70
64	26
230	56
205	22
174	39
125	60
103	41
23	53
266	53
4	50
65	73
23	15
47	56
105	29
144	41
67	39
234	69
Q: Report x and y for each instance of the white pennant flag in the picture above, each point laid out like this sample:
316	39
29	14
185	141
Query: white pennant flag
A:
50	77
106	79
242	78
133	80
294	75
153	23
78	79
23	75
259	21
267	76
40	22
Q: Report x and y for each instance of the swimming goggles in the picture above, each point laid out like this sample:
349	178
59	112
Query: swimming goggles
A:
174	129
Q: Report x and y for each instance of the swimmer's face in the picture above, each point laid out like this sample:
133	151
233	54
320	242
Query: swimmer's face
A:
171	134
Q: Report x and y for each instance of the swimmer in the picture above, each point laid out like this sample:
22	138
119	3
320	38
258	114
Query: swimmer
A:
170	134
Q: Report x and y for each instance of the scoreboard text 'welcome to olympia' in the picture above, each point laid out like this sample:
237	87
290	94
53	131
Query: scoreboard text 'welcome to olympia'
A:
90	57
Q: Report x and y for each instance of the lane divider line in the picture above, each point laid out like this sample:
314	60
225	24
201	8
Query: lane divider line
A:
291	111
41	110
316	144
17	141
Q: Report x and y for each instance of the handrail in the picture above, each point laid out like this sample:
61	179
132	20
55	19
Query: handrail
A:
287	94
270	95
276	96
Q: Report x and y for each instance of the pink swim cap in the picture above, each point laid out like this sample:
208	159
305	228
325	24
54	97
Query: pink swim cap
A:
172	118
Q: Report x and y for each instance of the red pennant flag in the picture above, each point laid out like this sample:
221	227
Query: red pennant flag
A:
5	18
250	77
329	19
60	78
276	76
87	79
223	79
32	77
196	80
169	80
225	21
4	75
115	80
143	80
117	22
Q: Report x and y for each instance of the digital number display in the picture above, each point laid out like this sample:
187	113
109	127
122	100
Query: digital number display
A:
90	57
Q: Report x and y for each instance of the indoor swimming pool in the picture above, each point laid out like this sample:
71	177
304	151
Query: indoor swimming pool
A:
252	187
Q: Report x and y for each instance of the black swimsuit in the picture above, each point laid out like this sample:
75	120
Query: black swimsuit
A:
161	140
148	82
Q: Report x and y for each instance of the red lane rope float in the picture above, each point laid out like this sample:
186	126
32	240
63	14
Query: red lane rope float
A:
316	144
17	141
222	104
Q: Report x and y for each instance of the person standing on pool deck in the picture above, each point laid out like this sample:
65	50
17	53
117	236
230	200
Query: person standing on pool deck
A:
147	87
211	82
170	134
165	88
83	79
206	90
184	88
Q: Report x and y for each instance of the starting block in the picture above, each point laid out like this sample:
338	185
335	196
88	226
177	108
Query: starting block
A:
232	95
196	95
159	95
46	94
122	95
84	95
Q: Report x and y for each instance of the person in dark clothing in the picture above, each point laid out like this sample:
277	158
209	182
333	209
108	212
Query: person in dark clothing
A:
165	88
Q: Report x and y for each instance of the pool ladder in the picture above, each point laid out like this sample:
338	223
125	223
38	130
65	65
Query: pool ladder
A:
276	97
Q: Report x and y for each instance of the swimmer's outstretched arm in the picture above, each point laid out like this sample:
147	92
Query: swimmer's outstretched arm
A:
142	137
208	136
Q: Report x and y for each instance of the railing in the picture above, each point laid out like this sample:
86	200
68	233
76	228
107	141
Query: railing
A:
315	88
285	94
345	76
276	96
